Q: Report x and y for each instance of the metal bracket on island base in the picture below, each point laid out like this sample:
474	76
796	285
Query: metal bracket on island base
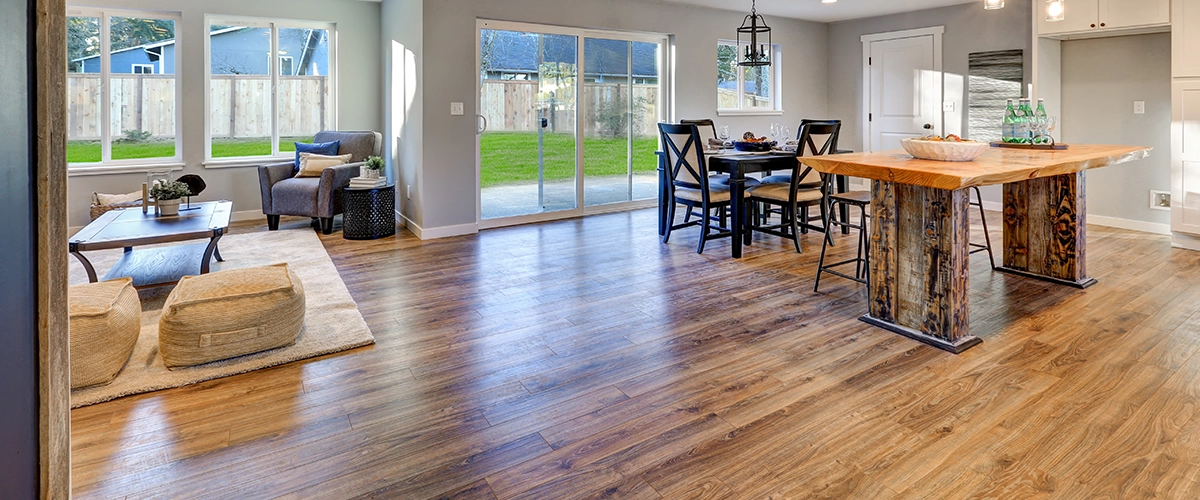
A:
956	347
1081	284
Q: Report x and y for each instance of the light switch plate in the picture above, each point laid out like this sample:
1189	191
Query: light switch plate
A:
948	106
1139	107
456	108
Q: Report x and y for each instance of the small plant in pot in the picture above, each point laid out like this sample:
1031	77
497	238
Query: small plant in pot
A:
167	195
372	168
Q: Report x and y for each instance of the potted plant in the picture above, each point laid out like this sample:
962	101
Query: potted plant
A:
167	195
372	167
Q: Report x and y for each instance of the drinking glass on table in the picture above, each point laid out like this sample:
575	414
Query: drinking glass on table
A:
775	132
723	135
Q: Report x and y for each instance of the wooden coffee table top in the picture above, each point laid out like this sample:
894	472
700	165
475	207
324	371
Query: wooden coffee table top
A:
996	166
130	227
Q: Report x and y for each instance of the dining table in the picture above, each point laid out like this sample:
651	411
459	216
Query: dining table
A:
919	231
737	164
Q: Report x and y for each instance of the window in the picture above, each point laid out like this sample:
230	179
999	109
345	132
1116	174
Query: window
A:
260	106
122	93
746	88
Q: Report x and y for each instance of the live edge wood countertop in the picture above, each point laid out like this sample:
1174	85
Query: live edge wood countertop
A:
996	166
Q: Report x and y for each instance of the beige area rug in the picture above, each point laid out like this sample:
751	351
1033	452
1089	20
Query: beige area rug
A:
332	322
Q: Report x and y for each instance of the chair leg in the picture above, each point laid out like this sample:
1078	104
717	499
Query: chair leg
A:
272	222
804	219
671	221
796	228
703	230
983	217
821	260
326	225
860	266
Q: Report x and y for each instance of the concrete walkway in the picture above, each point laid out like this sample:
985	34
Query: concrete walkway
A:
522	199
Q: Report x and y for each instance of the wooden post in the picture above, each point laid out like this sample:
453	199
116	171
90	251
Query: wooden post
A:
232	107
1045	226
141	96
918	271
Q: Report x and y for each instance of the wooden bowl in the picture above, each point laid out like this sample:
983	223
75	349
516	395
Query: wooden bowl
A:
753	146
944	151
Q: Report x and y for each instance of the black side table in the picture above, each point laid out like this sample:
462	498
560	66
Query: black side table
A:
369	213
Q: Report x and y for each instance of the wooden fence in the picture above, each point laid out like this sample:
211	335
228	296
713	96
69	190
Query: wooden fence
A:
513	106
240	105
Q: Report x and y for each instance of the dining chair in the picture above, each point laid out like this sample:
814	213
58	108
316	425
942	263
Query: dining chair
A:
690	185
707	129
802	188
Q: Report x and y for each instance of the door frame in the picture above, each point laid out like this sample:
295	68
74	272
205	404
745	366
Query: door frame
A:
936	32
665	110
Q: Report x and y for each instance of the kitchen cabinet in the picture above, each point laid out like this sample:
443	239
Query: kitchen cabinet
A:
1185	156
1098	17
1185	39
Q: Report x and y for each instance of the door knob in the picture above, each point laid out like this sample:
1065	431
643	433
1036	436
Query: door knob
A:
928	126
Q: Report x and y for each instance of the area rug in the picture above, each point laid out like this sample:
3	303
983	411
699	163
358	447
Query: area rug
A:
332	322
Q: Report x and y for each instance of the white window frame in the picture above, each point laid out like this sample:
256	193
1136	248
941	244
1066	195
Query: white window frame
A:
106	163
291	61
776	94
133	69
274	62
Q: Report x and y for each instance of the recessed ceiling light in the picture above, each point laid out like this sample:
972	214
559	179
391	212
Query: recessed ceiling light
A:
828	1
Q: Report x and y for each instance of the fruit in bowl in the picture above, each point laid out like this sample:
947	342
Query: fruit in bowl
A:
750	142
949	148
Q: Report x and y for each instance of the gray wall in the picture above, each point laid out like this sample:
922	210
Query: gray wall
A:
1100	80
403	34
359	89
445	194
969	28
18	276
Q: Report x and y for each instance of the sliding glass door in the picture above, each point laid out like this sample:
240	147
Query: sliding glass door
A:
556	142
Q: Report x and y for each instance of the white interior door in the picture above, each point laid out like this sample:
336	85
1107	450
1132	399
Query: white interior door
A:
905	90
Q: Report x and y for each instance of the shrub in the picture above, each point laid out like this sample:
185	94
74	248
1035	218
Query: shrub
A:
170	190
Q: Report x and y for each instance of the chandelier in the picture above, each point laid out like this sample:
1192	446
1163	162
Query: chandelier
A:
754	27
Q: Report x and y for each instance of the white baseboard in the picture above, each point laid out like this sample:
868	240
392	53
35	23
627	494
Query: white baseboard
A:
244	215
993	206
437	232
1185	241
1133	225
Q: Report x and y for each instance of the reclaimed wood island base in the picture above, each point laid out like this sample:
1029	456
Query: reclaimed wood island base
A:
920	229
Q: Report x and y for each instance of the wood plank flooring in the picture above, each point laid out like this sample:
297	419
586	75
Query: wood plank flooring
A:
586	359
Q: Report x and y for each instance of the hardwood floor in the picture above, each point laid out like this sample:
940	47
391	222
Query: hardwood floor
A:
586	359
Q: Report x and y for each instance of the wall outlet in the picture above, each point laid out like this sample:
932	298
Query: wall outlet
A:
408	191
1139	107
948	106
1160	200
456	108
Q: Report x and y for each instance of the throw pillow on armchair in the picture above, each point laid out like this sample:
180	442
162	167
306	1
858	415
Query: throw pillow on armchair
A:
321	148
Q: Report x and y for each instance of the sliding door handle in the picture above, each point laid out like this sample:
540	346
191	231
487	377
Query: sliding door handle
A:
480	124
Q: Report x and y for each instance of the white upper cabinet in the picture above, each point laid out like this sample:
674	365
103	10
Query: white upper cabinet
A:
1092	17
1185	39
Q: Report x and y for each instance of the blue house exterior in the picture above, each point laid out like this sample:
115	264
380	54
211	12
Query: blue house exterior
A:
234	51
514	55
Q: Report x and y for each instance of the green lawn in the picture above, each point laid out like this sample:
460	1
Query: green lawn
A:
89	151
508	157
511	157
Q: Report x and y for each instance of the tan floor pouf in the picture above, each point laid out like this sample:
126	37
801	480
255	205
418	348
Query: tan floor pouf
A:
230	313
106	318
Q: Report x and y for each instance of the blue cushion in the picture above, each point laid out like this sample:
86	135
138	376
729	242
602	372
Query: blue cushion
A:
321	148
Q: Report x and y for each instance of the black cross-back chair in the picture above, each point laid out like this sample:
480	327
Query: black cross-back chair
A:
689	183
804	188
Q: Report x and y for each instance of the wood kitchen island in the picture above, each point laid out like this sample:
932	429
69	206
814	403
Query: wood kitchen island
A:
919	232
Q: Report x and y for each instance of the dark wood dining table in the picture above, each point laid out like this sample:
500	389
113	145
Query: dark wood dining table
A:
737	165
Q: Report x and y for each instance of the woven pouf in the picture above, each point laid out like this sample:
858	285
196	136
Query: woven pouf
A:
230	313
106	318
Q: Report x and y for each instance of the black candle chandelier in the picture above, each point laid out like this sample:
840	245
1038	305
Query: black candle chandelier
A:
754	27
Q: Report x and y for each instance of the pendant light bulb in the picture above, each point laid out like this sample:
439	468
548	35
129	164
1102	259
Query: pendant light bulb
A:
1056	10
993	4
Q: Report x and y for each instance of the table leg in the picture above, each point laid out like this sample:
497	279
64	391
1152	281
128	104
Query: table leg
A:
208	251
87	265
737	212
1045	229
918	270
843	186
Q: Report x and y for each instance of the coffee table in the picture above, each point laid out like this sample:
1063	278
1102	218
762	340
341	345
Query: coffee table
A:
127	228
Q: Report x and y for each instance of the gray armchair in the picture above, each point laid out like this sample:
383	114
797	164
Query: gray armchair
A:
316	197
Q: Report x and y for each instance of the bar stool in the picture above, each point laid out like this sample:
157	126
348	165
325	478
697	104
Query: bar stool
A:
862	261
987	246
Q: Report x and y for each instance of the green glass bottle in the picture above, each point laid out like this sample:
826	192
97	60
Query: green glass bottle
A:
1040	120
1024	122
1008	127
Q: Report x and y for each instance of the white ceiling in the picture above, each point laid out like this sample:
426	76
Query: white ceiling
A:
814	10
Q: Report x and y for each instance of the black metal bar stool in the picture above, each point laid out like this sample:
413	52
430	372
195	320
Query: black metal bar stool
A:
987	246
862	260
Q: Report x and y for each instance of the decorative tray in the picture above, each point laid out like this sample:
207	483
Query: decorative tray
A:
1045	147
